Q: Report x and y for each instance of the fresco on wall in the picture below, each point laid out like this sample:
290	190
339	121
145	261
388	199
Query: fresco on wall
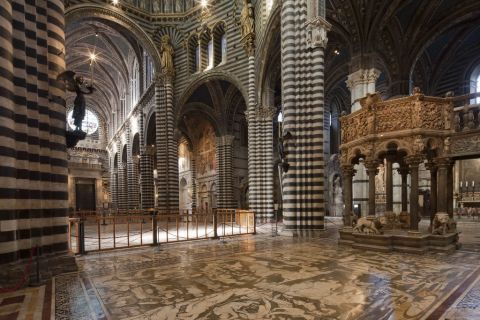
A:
206	156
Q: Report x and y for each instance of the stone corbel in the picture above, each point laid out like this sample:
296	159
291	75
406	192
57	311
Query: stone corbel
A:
317	32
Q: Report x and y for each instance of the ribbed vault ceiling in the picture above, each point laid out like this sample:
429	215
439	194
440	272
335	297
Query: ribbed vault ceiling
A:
114	50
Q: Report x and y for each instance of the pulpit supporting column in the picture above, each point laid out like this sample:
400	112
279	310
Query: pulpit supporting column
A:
413	163
371	167
347	174
389	183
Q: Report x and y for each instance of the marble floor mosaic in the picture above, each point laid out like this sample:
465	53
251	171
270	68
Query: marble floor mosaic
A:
258	277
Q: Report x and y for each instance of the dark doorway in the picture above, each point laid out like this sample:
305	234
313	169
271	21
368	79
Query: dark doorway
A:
85	195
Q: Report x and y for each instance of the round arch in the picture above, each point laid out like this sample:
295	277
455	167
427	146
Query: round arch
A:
203	79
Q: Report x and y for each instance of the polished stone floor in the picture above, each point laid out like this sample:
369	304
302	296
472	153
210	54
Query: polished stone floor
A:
259	277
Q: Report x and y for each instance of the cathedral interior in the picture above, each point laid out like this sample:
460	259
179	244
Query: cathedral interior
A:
239	159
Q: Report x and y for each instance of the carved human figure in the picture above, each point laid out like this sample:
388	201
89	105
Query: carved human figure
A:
167	52
380	180
246	19
337	196
78	85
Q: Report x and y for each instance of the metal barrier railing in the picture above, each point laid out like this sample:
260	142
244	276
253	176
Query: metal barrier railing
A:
97	231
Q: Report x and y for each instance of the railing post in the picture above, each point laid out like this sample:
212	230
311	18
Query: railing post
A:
81	236
254	223
154	227
215	235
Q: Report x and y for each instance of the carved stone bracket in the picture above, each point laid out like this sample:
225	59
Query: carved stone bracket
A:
317	32
249	44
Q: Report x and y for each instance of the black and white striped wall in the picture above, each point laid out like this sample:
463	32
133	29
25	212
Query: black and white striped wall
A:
33	158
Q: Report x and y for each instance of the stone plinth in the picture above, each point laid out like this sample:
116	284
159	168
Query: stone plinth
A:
399	241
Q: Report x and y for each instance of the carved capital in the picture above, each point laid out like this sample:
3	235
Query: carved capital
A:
443	163
362	76
371	166
403	170
225	140
150	150
414	160
348	170
431	166
266	113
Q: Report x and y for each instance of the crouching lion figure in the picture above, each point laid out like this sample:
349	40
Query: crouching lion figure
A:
370	226
442	224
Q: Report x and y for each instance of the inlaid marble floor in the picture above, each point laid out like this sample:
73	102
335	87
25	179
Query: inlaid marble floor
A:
264	277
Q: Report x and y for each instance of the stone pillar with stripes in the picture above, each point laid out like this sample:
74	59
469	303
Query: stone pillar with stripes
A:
303	38
264	163
225	172
193	169
132	178
167	145
33	170
121	179
146	169
114	182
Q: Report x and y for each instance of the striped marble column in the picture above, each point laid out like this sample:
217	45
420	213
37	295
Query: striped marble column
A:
146	170
33	169
254	180
121	179
167	146
302	91
264	163
132	178
114	182
193	169
225	172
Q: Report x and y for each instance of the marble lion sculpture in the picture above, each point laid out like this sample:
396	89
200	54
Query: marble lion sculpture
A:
442	224
370	226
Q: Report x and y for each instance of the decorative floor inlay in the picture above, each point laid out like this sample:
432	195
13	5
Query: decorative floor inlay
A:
257	277
267	278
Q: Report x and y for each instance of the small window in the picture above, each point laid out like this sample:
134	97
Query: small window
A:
197	58
478	87
210	54
224	48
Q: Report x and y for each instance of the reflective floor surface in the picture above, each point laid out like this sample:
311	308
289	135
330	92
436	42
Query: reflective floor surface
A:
258	277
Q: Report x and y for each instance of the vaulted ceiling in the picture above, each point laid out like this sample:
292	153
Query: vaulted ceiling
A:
114	51
408	40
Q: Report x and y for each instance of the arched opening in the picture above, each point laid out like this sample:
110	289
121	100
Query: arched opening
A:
186	176
212	121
